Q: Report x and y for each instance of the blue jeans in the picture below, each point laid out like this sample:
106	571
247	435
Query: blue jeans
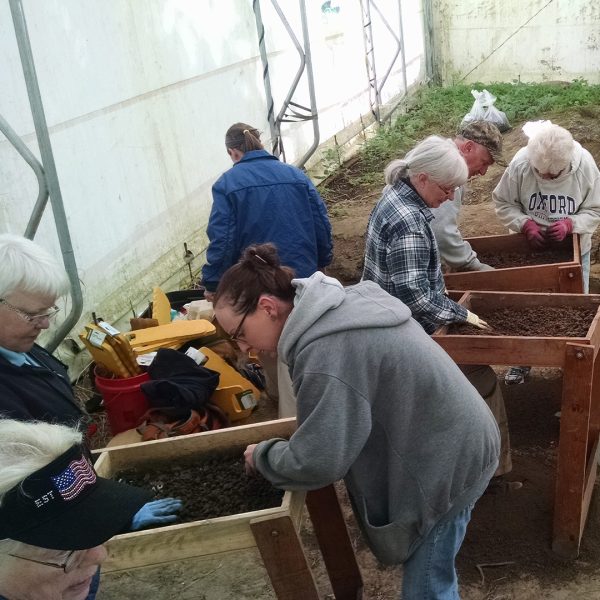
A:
429	574
94	586
585	272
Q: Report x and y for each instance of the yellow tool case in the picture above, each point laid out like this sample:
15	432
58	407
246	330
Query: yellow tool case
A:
235	396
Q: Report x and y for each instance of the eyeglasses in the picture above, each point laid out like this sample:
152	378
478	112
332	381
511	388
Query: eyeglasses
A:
68	561
447	192
35	319
237	335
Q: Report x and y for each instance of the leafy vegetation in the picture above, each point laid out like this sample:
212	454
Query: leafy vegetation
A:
437	110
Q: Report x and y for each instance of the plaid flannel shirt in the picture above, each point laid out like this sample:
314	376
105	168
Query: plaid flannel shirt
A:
402	257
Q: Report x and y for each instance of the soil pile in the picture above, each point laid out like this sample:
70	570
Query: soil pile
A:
536	321
505	260
210	487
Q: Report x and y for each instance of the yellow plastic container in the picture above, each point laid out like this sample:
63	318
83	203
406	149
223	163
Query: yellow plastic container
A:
235	396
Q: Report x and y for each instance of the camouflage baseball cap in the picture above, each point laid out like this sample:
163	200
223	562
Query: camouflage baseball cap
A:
486	134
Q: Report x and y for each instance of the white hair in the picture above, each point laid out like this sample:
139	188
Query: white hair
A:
26	447
437	157
550	149
27	267
8	546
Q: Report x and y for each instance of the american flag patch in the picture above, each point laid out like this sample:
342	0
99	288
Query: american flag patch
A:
74	478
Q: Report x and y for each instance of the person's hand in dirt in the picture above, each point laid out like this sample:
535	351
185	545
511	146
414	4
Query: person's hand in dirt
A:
158	512
558	231
248	457
474	320
534	234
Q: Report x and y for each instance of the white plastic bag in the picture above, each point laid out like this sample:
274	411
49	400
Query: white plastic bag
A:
483	109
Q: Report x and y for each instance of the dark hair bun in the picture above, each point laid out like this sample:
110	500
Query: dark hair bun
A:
261	255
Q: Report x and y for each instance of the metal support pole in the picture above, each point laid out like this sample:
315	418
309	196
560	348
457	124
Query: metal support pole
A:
43	138
311	87
297	112
38	169
402	49
396	54
431	70
277	148
374	99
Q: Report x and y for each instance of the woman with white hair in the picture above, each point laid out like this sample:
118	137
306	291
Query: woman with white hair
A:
55	513
34	386
550	189
401	252
403	257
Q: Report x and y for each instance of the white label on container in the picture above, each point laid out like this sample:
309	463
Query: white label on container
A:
96	338
247	400
108	328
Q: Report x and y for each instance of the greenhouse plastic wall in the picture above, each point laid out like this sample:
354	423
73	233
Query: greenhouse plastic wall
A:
137	103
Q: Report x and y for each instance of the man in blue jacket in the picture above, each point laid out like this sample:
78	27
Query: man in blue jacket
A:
260	199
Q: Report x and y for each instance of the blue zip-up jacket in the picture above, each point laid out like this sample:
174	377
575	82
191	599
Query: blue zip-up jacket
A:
261	199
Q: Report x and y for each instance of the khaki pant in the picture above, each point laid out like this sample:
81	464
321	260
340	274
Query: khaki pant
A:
278	383
484	380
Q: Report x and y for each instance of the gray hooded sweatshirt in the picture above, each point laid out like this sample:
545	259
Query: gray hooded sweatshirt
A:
382	406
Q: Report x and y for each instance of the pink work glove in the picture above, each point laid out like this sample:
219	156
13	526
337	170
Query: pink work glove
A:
558	231
533	233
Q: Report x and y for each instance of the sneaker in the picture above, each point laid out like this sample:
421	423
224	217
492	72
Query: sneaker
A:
516	375
499	485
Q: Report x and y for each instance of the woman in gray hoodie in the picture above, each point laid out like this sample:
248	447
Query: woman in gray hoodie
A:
379	404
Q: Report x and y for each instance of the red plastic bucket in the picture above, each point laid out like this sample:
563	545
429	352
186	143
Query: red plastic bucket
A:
124	401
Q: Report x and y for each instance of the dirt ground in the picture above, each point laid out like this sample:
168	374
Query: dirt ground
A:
507	552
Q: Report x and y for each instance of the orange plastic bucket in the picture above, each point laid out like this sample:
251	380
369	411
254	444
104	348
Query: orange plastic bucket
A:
124	401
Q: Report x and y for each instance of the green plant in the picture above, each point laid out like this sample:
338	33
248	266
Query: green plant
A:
439	110
331	160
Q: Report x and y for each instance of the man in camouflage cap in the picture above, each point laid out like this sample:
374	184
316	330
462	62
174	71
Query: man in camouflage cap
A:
485	134
480	143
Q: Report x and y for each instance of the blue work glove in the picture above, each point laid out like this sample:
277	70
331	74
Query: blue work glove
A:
158	512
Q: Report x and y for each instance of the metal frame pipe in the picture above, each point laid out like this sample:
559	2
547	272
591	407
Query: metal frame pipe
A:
374	98
50	173
311	87
38	169
277	148
297	112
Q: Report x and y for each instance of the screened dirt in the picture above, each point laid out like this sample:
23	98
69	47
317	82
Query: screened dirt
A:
505	260
536	321
210	487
